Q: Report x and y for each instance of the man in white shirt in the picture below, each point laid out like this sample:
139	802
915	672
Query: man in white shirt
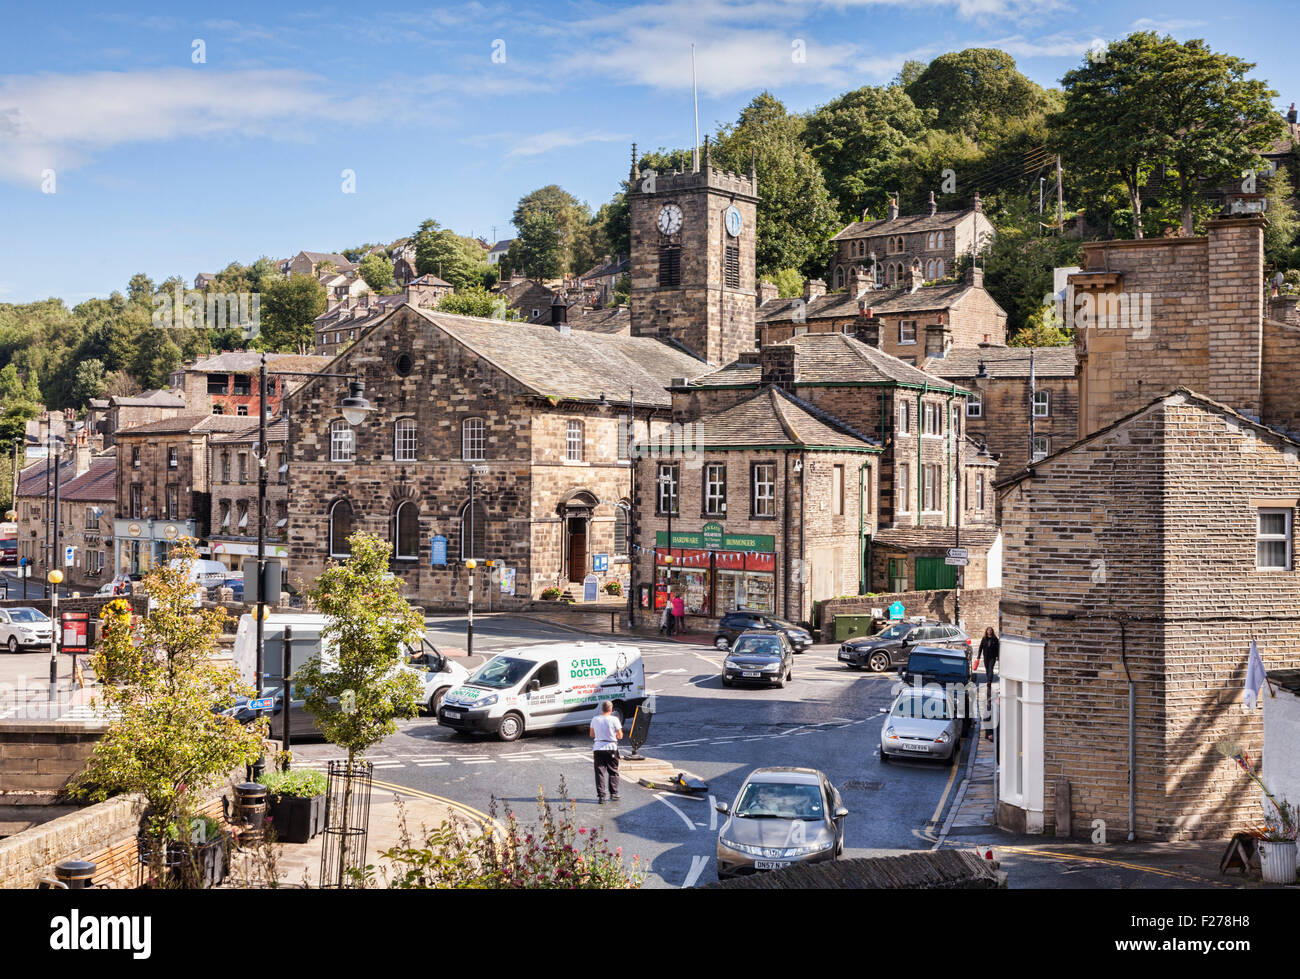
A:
606	731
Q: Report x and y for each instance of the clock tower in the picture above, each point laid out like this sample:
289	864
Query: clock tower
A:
692	261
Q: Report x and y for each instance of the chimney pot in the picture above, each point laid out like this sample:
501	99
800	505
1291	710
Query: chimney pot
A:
812	288
893	208
933	206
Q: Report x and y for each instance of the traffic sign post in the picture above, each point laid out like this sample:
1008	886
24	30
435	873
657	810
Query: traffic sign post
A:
896	610
956	562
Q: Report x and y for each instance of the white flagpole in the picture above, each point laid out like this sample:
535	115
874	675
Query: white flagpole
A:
695	96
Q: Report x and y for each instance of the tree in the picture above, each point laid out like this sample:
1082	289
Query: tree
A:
289	309
788	282
909	73
356	696
90	382
1043	329
477	301
441	252
377	271
540	247
161	682
969	88
1018	266
570	221
156	358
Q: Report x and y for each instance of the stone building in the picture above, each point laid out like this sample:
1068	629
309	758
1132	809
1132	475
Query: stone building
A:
892	247
311	263
529	421
227	383
232	489
140	409
35	505
910	322
927	470
770	502
1151	552
163	486
692	261
88	506
1007	404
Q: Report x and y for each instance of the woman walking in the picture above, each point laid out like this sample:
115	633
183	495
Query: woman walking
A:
989	654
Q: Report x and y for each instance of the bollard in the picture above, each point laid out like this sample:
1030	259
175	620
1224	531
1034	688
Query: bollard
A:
75	874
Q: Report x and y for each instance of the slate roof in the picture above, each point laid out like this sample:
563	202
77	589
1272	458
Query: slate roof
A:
904	224
579	365
152	399
961	363
613	320
336	259
277	430
841	304
193	423
615	266
976	536
774	418
429	279
32	480
249	361
96	484
502	246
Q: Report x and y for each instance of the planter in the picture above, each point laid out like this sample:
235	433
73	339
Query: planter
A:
1277	861
203	865
297	819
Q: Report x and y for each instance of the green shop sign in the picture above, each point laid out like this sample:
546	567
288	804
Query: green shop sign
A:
711	538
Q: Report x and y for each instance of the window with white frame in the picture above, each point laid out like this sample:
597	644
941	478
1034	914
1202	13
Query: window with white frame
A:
342	442
173	458
573	441
904	417
666	488
956	420
930	488
764	489
715	489
471	440
404	440
975	405
931	419
1042	447
1042	404
907	331
902	485
1273	540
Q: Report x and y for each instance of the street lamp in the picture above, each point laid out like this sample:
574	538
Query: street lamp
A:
55	578
470	565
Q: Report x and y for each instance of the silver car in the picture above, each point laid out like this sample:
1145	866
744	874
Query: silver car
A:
780	816
921	724
23	626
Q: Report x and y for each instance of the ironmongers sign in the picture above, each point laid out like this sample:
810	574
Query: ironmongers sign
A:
711	538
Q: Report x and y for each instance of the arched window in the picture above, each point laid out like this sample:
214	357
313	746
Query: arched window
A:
938	240
471	440
620	531
938	269
406	532
404	440
341	527
880	274
839	277
929	269
342	445
473	531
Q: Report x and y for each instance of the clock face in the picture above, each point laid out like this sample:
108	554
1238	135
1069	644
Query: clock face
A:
734	221
670	219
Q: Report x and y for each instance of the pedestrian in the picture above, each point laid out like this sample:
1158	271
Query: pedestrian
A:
989	654
666	619
679	614
606	731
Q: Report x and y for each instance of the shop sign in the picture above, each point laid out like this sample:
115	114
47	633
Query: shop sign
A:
729	542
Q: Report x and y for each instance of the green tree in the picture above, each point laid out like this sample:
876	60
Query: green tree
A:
160	683
289	308
477	301
788	282
909	73
1043	329
570	220
90	382
1019	263
970	88
156	358
440	251
377	271
540	247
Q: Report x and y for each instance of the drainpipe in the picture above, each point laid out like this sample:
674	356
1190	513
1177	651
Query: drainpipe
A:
803	563
862	527
1132	734
920	464
785	537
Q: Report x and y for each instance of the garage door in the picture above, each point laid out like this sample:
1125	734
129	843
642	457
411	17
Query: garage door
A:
932	573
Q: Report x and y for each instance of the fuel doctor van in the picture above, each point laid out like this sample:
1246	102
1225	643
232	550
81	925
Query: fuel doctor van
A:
549	685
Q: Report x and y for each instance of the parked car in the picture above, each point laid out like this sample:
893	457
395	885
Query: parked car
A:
236	585
780	816
949	669
759	656
733	624
891	647
24	627
922	723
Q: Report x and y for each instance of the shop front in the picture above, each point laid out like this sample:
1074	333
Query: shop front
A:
144	544
715	572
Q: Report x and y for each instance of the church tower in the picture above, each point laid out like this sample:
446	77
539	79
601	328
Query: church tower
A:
692	260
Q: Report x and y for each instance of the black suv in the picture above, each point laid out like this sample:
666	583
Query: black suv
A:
948	668
734	623
891	646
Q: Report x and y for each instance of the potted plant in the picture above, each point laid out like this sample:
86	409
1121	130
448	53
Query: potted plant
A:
1277	842
614	588
194	859
551	594
295	801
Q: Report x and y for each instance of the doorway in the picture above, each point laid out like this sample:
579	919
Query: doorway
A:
577	527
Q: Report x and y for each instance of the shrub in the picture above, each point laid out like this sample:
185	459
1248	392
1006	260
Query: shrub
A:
302	782
614	588
551	594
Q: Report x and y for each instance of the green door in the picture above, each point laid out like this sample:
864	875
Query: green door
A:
932	573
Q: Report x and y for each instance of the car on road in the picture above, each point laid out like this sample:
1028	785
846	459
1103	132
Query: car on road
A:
922	723
236	585
734	624
891	646
759	656
780	816
549	685
24	627
949	669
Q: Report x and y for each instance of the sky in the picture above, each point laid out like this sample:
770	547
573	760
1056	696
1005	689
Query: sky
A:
174	139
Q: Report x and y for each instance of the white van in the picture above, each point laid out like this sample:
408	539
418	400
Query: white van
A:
549	685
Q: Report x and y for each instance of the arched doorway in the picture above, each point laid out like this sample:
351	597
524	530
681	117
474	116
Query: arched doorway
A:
575	512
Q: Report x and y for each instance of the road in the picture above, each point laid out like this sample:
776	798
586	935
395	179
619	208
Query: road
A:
25	588
827	718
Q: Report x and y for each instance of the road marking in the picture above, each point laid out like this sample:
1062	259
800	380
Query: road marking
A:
697	867
430	764
1030	851
673	744
690	823
520	758
713	814
482	818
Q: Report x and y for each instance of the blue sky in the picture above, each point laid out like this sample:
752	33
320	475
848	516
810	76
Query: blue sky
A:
165	166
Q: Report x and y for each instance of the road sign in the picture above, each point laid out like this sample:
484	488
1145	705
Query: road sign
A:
958	552
69	555
957	562
262	704
896	610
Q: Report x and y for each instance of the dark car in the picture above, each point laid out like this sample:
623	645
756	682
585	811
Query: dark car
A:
891	647
733	624
9	550
759	656
302	726
236	586
948	668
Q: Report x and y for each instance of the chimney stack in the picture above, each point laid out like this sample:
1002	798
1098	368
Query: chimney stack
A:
893	208
933	206
812	288
914	278
767	291
975	276
859	280
978	204
559	314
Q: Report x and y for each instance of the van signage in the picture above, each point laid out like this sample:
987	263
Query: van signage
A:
586	667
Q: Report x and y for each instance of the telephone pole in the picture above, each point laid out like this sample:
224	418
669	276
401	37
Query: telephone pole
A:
1060	206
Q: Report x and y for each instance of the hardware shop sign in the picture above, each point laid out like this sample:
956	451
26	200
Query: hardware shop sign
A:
714	540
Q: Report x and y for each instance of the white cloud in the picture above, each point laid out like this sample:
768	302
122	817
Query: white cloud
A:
59	121
1168	25
1057	45
560	138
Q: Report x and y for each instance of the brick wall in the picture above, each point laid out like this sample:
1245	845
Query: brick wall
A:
40	757
1003	423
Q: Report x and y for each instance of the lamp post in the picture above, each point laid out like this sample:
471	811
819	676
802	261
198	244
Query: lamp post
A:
631	511
355	409
470	563
54	577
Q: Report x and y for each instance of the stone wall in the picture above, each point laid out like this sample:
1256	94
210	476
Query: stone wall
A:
40	757
979	608
1003	423
28	856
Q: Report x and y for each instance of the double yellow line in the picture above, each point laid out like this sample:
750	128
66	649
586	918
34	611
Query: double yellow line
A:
484	821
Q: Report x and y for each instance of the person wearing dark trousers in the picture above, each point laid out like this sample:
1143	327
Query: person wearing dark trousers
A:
606	731
989	654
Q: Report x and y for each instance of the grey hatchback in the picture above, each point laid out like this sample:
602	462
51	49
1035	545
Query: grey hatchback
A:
780	816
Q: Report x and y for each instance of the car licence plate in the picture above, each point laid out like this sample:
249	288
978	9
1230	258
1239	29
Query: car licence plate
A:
771	864
453	714
915	747
754	673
